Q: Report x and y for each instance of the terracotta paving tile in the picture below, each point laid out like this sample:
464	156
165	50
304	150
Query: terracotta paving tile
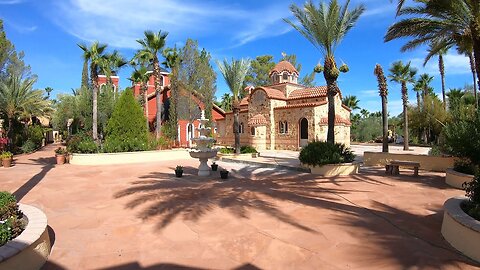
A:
141	217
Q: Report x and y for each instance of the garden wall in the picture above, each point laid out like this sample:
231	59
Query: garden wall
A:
429	163
128	157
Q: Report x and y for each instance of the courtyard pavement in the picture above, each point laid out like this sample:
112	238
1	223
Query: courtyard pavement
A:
142	217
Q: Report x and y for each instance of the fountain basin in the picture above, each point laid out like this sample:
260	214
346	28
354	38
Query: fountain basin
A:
203	156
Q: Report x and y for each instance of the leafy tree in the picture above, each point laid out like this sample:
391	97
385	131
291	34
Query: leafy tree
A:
325	28
172	62
403	74
142	76
226	103
152	45
126	130
18	100
259	72
383	92
351	102
234	74
429	120
94	55
106	104
66	108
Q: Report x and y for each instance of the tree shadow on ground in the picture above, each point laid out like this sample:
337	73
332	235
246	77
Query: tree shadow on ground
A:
408	239
47	164
169	197
169	266
414	241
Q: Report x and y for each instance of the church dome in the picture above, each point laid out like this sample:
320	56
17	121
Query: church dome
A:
284	66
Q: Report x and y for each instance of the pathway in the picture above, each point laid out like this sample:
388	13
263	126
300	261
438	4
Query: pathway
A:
142	217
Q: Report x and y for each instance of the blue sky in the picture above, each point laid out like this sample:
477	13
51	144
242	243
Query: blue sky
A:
48	31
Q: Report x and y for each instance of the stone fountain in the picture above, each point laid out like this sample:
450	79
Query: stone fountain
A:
203	151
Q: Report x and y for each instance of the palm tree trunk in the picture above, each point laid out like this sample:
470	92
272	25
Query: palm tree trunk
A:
441	67
9	134
85	74
385	124
331	74
145	97
236	120
474	75
405	116
476	50
94	78
158	91
418	101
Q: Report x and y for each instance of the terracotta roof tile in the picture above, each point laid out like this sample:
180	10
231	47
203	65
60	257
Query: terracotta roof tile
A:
338	120
257	120
244	101
284	66
301	105
241	111
273	93
318	91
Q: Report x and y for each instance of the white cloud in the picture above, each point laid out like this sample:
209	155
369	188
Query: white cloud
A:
395	106
454	64
368	93
120	22
10	2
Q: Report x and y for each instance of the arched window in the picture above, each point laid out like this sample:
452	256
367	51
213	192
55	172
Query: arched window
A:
252	131
281	128
285	127
285	77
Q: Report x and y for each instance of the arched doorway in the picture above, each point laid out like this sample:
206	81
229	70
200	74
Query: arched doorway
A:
190	133
303	127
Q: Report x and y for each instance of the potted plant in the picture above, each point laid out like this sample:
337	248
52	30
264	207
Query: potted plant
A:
7	158
214	166
179	171
224	174
60	155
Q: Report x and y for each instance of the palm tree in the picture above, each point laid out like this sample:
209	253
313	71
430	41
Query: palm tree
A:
142	76
418	88
226	102
454	98
424	82
95	55
48	90
18	100
351	102
325	26
234	74
152	45
403	74
440	22
112	64
383	92
466	47
441	65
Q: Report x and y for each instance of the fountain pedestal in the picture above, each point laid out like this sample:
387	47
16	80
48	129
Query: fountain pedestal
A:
203	151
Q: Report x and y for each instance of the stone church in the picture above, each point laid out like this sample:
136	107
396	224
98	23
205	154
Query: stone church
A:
285	115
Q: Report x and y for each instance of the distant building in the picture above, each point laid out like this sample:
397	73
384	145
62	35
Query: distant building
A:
285	114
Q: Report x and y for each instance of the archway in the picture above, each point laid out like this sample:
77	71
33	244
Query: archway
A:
303	127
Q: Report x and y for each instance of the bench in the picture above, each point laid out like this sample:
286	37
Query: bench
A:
392	167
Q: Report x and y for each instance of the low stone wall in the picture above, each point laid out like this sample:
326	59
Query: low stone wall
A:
32	247
429	163
128	157
334	169
456	179
461	230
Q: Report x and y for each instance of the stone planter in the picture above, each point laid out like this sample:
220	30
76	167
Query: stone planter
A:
31	248
334	169
60	159
461	230
214	167
456	179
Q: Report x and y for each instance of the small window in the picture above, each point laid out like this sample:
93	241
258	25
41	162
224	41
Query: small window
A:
285	127
240	128
281	128
252	131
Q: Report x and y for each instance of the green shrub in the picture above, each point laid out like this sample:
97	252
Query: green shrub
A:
29	146
126	130
472	191
6	154
435	151
461	138
227	150
35	135
81	143
247	149
318	153
11	215
464	166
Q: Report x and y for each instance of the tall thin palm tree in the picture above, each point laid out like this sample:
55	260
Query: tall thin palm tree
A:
18	100
351	102
466	47
48	90
152	45
440	22
383	92
424	82
94	55
434	49
142	76
112	64
418	88
234	74
325	26
403	74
